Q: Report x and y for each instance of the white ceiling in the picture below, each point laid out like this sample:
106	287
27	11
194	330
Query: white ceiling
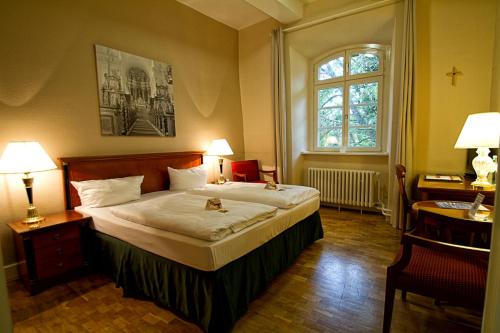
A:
240	14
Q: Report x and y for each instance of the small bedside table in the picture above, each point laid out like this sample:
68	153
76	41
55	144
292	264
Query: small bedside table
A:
51	251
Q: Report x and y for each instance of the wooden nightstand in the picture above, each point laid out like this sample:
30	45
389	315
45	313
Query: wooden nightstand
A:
52	251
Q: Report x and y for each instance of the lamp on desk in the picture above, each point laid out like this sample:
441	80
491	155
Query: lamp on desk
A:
481	131
26	157
220	147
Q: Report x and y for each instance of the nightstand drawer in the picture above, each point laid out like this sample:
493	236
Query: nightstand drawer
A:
56	235
51	268
58	250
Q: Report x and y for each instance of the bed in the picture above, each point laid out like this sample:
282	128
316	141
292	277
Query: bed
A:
209	283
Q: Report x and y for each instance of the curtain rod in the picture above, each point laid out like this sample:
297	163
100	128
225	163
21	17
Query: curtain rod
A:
361	9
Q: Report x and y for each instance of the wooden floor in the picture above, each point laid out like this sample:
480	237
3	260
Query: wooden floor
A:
336	285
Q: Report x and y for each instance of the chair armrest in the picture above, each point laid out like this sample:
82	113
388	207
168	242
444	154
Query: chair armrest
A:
445	247
409	240
239	176
273	172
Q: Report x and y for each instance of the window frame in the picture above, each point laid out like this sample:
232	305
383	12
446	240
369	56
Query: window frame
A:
346	81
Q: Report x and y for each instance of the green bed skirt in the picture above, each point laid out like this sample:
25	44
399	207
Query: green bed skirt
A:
213	300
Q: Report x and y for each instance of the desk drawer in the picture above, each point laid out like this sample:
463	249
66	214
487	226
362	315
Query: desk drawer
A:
56	235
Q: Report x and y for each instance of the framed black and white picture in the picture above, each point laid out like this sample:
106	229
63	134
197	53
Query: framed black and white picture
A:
135	94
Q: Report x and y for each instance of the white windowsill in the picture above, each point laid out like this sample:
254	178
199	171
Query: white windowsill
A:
350	153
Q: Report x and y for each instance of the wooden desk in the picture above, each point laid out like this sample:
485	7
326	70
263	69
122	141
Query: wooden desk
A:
482	216
439	190
483	221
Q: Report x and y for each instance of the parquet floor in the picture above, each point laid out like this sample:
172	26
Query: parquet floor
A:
336	285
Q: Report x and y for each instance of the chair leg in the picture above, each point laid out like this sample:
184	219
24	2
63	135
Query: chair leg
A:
390	290
403	295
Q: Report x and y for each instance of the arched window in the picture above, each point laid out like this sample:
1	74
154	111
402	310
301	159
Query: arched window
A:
348	87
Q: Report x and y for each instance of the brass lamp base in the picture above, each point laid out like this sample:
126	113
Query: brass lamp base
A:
32	216
221	180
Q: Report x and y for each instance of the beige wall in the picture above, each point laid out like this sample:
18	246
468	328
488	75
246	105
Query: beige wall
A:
256	88
450	33
495	80
48	88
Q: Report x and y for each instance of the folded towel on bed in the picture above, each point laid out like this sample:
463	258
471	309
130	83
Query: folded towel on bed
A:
285	196
185	214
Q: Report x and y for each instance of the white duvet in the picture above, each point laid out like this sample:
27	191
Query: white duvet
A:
185	214
286	196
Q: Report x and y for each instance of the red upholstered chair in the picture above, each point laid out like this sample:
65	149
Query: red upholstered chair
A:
249	171
452	273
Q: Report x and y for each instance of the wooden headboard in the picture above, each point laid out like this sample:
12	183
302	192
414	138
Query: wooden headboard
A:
153	166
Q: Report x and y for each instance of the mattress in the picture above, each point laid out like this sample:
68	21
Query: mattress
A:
197	253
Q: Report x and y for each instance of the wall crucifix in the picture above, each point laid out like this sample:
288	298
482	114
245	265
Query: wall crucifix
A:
453	74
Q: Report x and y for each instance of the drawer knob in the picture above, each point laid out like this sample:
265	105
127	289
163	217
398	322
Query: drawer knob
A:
59	251
57	235
60	264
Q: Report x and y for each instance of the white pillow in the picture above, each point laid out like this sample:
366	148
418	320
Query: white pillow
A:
187	179
108	192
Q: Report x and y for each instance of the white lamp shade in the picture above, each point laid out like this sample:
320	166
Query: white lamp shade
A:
23	157
219	147
480	130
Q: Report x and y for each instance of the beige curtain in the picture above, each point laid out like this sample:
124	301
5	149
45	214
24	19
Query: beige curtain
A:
279	104
405	139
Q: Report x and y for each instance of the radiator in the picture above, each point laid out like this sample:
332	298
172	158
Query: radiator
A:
344	187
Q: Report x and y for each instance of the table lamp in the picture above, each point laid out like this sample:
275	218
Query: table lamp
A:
220	147
26	157
481	131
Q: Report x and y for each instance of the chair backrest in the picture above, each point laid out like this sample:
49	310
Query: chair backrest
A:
401	174
454	230
250	168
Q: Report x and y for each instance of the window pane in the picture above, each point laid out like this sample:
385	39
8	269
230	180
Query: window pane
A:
365	115
330	137
332	69
364	63
363	93
363	110
330	97
330	117
362	137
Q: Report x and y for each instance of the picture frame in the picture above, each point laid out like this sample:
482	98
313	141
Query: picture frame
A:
135	94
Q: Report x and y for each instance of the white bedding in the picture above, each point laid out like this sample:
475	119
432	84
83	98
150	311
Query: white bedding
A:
197	253
286	196
186	214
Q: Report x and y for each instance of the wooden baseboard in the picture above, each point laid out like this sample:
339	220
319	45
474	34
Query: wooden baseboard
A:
11	272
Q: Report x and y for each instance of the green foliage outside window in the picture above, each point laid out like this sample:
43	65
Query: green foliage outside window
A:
364	63
363	109
330	105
